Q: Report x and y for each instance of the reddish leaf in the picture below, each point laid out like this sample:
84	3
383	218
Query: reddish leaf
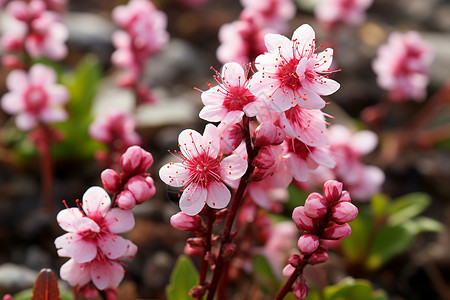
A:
46	286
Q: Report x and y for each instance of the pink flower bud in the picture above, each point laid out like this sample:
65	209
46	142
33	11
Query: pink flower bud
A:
111	181
11	61
288	270
268	134
295	260
196	242
125	200
344	212
345	197
264	159
332	191
308	243
337	232
89	292
197	292
231	138
318	257
300	288
140	188
7	297
135	161
316	206
145	94
11	43
229	250
303	222
220	215
192	251
182	221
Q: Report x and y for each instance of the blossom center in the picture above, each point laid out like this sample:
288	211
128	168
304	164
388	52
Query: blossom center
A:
237	98
288	74
35	99
203	169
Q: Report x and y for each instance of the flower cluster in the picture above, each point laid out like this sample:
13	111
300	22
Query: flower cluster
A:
402	66
35	97
322	218
117	131
92	241
34	30
335	12
133	185
243	40
144	33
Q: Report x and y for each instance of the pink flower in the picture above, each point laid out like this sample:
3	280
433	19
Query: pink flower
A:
291	73
104	273
116	128
270	13
402	66
38	31
301	158
35	97
333	12
203	170
241	41
144	23
92	230
348	150
231	99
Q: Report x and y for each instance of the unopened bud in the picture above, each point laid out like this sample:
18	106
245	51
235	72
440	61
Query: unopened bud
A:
316	206
135	161
337	232
264	159
193	251
268	134
197	292
140	188
125	200
231	138
332	191
344	212
295	260
111	181
229	250
300	288
11	61
220	215
182	221
303	222
318	257
196	242
308	243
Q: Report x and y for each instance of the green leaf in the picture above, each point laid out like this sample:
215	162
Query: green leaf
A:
82	85
355	247
313	295
184	277
425	224
407	207
350	289
27	294
379	205
264	275
389	242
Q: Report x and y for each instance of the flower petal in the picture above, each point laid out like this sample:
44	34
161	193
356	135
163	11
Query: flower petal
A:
12	103
174	174
74	273
112	245
218	195
118	220
189	141
67	217
233	74
96	202
193	199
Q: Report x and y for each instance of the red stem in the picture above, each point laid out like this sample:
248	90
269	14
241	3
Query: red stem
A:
235	204
210	216
287	286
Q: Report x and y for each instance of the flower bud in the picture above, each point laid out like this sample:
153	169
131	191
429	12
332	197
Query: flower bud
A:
332	191
264	159
295	260
192	251
344	212
111	181
316	206
140	188
345	197
182	221
268	134
337	232
197	292
135	161
288	270
231	138
196	242
220	215
300	288
318	257
308	243
303	222
11	61
228	250
125	200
